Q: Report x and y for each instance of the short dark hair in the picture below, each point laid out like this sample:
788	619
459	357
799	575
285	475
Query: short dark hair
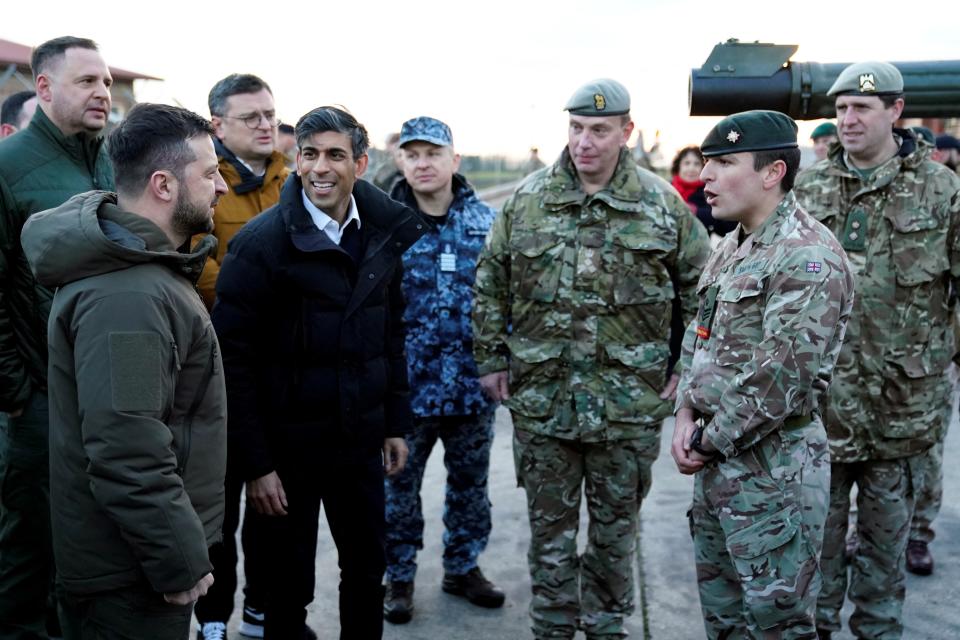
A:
153	137
889	98
43	55
232	85
283	127
336	119
677	159
13	106
790	157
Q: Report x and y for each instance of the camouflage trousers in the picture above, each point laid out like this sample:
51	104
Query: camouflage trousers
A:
929	495
592	592
877	585
757	524
466	510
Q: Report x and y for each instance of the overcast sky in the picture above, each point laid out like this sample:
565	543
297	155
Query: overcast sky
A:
497	71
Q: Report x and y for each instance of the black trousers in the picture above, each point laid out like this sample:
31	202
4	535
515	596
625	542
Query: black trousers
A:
135	612
217	605
349	484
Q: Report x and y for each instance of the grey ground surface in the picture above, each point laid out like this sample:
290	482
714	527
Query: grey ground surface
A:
667	607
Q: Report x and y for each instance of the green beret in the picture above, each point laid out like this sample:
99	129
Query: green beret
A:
750	131
925	134
603	97
868	79
824	129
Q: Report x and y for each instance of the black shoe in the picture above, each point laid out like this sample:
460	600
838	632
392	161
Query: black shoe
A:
212	631
475	588
919	560
398	602
251	625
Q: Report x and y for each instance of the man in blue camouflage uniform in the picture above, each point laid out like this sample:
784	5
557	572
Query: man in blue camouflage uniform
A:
447	400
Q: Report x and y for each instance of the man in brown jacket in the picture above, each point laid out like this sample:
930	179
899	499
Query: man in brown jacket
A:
245	121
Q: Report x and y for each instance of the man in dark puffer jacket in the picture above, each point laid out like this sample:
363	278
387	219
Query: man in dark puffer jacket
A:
309	313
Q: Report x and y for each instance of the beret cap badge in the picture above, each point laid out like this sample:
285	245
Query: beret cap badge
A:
757	130
599	101
867	82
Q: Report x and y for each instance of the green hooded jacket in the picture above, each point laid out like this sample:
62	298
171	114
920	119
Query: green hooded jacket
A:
40	168
137	399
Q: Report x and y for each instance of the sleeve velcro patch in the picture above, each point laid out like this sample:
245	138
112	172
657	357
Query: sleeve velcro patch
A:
136	363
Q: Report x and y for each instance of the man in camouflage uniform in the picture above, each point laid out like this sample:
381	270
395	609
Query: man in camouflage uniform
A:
928	500
775	297
897	214
446	397
929	495
574	295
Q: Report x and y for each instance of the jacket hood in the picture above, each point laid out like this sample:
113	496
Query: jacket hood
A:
89	235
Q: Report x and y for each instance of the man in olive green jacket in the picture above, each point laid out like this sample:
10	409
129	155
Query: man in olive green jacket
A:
57	156
138	401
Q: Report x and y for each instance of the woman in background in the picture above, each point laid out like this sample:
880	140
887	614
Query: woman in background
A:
685	170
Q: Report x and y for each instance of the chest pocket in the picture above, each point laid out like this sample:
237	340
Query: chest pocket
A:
738	319
640	275
538	257
918	246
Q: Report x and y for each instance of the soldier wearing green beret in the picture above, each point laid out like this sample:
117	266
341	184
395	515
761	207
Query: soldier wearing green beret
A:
576	289
897	215
823	136
774	300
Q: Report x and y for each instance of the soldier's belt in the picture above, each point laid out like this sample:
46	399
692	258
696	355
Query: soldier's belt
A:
793	422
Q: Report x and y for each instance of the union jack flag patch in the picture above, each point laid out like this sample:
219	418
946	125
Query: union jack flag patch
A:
813	267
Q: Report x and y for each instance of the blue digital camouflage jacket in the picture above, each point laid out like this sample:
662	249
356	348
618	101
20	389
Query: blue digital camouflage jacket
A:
439	271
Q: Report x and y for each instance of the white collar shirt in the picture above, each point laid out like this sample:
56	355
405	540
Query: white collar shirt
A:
327	224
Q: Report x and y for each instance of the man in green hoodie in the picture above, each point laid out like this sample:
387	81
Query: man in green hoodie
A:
138	401
58	155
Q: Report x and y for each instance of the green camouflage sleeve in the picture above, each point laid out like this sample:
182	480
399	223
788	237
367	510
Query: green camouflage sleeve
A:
491	296
954	248
954	238
683	367
808	301
692	253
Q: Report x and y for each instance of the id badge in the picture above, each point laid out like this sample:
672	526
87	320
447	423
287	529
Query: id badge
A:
448	260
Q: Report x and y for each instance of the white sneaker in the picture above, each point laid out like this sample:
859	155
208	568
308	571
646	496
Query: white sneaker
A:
212	631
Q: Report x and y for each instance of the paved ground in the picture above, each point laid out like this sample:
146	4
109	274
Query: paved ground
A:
667	608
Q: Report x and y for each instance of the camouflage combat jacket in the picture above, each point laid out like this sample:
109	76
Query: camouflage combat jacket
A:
768	330
574	294
438	273
900	230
